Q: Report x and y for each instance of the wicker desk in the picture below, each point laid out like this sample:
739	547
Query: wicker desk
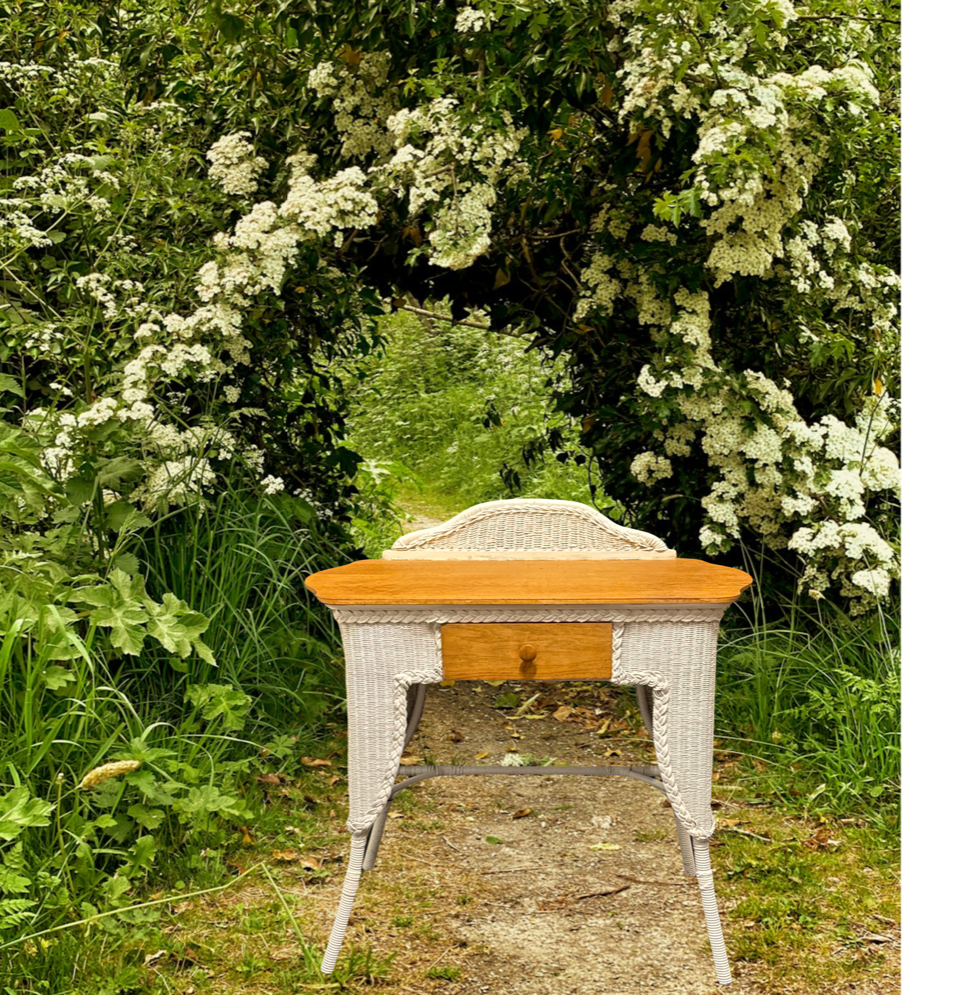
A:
643	618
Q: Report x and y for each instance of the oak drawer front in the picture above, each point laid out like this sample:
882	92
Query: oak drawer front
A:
544	651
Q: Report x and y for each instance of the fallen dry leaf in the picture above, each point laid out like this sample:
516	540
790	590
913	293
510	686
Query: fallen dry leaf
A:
285	855
563	713
456	736
605	846
333	780
315	762
153	958
521	813
310	863
482	754
268	779
410	761
447	684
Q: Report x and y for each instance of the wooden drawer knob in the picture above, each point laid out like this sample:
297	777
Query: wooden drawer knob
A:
528	653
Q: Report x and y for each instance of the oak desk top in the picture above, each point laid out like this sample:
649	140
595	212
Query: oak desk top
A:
528	582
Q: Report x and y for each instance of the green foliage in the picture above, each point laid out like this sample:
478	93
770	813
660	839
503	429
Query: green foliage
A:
462	414
819	698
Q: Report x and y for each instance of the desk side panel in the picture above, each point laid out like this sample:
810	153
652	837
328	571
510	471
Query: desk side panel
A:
382	662
685	654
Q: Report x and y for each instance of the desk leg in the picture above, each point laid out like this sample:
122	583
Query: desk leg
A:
415	699
701	852
358	844
645	703
686	850
383	661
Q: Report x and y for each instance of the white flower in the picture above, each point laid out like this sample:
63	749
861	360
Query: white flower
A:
233	164
650	467
470	20
272	485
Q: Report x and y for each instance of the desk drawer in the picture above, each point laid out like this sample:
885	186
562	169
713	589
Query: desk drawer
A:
544	651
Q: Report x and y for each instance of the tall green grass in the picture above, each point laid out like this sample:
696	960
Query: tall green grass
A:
198	731
242	562
817	696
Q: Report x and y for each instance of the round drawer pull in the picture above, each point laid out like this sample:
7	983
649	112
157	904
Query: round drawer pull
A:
528	653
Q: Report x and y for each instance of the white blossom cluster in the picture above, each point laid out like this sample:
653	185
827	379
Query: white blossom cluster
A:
362	104
233	164
470	20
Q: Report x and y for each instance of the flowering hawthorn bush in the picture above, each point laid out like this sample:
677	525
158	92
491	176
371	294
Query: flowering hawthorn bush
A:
694	200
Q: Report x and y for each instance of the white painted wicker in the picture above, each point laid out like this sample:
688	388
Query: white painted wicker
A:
667	652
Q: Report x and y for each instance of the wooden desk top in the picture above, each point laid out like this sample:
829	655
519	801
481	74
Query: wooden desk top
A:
528	582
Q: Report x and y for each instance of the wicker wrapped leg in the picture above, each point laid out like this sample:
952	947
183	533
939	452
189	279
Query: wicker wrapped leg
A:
416	695
350	884
686	850
644	702
383	661
376	835
701	853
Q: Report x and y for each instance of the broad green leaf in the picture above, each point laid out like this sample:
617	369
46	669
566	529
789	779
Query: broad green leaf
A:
18	811
9	121
10	385
57	677
220	700
149	818
125	624
111	473
123	516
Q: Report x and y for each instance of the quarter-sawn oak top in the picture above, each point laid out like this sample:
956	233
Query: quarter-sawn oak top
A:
528	582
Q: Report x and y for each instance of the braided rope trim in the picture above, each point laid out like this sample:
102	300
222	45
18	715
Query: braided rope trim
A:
617	674
661	701
629	538
402	682
535	613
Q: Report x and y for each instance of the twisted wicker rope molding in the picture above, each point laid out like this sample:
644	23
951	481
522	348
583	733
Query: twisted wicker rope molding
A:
625	537
534	613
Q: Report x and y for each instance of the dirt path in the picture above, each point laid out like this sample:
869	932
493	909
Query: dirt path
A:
540	922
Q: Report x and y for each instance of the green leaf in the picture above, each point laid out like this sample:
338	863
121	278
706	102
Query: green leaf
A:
208	800
79	490
149	818
111	473
144	851
220	700
9	385
57	677
127	562
9	121
12	883
115	888
18	811
123	516
231	27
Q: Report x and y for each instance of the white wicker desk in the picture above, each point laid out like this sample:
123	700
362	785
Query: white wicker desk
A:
443	606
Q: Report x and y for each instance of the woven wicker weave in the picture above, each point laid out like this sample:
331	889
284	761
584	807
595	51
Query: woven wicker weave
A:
667	652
